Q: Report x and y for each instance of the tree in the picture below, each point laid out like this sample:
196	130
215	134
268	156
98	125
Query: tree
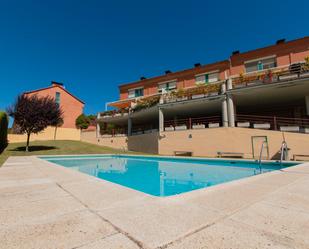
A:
82	122
33	114
3	130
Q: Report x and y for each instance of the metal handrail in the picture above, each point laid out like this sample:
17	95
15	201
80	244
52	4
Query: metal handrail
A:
284	146
260	157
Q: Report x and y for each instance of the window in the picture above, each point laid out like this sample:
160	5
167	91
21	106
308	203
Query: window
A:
168	86
207	78
260	64
57	98
134	93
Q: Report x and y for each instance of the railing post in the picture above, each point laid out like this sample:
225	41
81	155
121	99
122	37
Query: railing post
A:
275	123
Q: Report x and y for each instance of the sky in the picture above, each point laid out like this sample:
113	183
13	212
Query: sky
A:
95	45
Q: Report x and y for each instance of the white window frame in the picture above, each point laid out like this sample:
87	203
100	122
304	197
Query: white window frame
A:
259	59
208	73
160	90
133	89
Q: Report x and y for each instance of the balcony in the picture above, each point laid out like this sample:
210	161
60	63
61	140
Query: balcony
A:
114	113
197	92
275	75
277	123
193	123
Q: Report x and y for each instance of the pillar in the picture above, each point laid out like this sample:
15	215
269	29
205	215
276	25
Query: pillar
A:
161	120
98	126
307	105
230	111
230	104
129	126
224	107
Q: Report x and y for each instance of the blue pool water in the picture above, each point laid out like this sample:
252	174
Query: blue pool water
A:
162	176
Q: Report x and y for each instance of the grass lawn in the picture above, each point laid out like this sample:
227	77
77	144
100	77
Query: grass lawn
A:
54	148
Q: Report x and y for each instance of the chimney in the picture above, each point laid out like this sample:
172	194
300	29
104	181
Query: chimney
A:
168	72
235	52
54	83
280	41
197	65
143	78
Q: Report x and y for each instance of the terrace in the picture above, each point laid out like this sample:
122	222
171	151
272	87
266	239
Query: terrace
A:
275	75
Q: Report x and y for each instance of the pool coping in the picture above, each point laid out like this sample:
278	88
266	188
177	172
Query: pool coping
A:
174	221
188	193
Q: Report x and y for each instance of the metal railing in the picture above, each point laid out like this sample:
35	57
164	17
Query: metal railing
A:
274	122
272	75
261	154
195	92
193	123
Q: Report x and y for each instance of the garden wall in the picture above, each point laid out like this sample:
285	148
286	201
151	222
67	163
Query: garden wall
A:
113	142
207	142
48	134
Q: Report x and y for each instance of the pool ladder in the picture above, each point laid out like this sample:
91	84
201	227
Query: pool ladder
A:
283	151
260	157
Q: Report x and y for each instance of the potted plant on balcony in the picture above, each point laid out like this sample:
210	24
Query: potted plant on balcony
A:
267	77
305	67
212	89
198	92
181	95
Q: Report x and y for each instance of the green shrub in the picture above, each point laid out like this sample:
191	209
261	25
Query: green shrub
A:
3	130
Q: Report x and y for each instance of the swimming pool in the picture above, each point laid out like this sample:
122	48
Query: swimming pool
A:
163	176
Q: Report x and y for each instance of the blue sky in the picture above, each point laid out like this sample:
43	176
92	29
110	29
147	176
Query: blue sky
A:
93	46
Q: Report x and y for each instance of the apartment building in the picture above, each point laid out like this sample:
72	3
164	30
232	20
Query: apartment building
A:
263	89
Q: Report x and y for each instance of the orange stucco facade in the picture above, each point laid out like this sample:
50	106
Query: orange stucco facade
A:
71	106
284	53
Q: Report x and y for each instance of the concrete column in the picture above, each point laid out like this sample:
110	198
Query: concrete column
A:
229	84
161	120
98	126
129	126
230	104
307	104
224	107
230	111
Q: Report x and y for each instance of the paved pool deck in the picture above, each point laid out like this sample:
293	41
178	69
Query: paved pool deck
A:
47	206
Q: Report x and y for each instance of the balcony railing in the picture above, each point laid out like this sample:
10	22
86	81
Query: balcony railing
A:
273	123
197	92
274	75
243	121
192	123
117	132
114	113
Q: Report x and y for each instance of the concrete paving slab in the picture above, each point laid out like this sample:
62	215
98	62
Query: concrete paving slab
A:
100	195
230	234
65	231
284	222
158	222
18	194
116	241
28	211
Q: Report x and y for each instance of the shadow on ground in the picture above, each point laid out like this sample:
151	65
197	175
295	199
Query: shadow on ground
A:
35	148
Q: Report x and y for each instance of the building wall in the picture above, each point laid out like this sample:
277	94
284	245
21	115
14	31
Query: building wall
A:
112	142
185	78
48	134
70	106
147	143
207	142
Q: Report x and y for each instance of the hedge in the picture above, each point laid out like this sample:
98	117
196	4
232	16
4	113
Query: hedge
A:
3	130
